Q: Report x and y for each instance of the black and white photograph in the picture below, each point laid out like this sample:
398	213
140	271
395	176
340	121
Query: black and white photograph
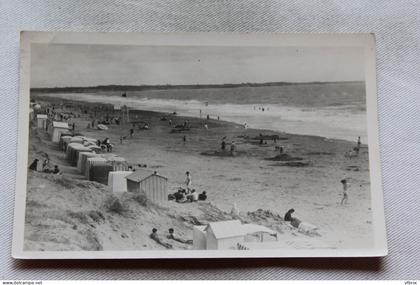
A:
198	145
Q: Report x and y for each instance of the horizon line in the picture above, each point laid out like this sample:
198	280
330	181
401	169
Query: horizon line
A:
191	86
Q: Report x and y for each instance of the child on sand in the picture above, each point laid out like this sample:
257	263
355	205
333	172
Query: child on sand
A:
188	181
345	198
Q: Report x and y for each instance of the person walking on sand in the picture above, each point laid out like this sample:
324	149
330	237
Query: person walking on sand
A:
188	181
345	198
184	139
131	132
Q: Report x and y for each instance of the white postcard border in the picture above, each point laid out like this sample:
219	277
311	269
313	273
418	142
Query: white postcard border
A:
367	41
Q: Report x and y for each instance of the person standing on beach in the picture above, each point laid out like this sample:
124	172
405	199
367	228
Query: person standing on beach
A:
223	145
131	132
345	198
184	139
359	143
188	181
232	147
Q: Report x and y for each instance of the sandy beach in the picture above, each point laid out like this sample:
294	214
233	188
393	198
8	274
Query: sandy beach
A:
252	178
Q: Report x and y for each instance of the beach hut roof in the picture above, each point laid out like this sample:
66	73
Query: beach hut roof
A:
225	229
139	176
42	116
63	125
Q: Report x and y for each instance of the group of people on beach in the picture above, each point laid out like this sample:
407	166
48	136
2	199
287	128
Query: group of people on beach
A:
187	194
170	236
45	166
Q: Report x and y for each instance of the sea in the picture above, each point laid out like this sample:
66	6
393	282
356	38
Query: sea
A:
330	110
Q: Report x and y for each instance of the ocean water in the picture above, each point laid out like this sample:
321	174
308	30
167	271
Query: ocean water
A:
334	111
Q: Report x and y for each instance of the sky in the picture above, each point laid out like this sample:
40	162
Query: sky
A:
65	65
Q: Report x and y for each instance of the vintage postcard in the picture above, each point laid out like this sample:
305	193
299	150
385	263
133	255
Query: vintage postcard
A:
199	145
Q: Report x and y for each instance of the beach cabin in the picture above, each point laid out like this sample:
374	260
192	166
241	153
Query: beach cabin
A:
81	162
224	235
118	163
100	173
199	238
41	121
117	181
153	185
57	129
64	141
92	161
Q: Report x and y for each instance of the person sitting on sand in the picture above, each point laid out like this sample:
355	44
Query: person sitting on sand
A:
293	221
34	165
108	145
56	170
182	196
178	239
193	197
345	198
45	163
178	195
154	236
202	196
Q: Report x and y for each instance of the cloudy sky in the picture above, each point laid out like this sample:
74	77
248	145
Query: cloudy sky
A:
90	65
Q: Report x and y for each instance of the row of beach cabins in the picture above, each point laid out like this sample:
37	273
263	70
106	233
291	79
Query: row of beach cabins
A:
107	168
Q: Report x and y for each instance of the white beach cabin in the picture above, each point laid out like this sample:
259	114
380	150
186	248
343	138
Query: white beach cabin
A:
224	235
199	238
117	181
57	129
153	185
41	121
